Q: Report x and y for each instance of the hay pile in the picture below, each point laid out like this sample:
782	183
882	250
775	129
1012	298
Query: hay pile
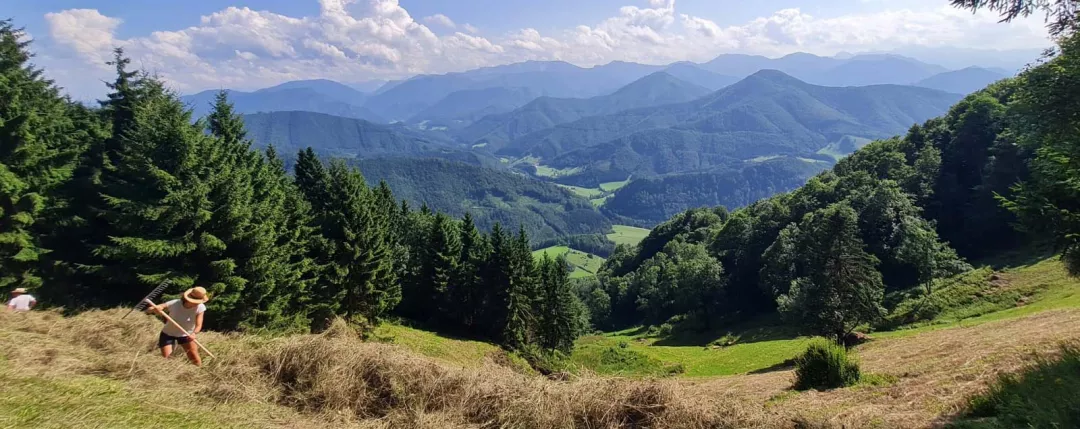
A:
337	379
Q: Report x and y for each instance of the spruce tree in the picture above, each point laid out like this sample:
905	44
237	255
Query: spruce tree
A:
38	145
160	203
519	329
254	215
415	289
467	294
440	265
359	276
496	285
79	277
312	179
565	308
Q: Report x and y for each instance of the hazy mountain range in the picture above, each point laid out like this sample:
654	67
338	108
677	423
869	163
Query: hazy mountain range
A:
725	132
459	99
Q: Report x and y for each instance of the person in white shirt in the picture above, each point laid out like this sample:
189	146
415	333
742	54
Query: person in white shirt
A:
21	301
188	312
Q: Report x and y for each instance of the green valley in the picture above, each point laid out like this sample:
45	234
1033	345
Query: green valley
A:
386	222
583	264
627	235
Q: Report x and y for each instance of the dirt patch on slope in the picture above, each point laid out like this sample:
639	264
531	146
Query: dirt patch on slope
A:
935	372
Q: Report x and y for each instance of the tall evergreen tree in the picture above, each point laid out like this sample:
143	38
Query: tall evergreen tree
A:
253	213
560	312
80	277
440	266
519	329
497	281
467	293
154	198
39	142
358	279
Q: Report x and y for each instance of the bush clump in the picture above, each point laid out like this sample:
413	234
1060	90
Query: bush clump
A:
825	365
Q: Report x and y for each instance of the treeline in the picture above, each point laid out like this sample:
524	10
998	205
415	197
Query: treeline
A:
97	206
596	244
1001	169
491	196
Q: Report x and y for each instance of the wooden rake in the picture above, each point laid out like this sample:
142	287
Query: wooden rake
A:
149	301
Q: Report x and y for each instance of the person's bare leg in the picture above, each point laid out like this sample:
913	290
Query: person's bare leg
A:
192	353
166	350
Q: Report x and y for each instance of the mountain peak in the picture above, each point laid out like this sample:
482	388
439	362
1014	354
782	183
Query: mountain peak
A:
776	76
659	83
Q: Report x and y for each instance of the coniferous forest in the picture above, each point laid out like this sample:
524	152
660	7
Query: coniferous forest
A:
99	204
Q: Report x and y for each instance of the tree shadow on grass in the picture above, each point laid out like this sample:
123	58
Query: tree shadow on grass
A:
1025	256
768	328
782	366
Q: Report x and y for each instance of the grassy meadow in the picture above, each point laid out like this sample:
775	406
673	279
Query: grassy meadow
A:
102	371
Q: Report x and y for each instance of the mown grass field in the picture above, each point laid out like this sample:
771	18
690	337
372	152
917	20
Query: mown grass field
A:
1018	292
585	264
629	235
546	171
587	193
51	403
454	350
99	371
614	186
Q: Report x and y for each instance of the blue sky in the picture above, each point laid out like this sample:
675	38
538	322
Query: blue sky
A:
144	16
247	44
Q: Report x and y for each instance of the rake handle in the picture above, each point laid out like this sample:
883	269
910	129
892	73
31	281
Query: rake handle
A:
181	328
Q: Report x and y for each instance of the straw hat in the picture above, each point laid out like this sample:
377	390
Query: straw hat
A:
19	290
196	295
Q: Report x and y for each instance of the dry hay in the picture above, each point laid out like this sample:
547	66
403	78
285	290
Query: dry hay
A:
936	371
334	378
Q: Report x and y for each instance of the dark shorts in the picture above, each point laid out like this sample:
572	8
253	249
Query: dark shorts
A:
168	340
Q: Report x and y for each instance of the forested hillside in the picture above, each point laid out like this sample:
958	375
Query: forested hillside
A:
998	171
336	135
655	199
545	210
98	206
767	114
963	81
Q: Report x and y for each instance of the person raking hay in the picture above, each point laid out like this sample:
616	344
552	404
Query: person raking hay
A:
188	312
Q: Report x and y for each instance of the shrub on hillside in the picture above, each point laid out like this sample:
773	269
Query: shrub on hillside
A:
1046	395
825	365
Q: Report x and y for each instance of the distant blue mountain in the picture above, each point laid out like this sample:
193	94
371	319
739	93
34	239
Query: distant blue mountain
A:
656	89
319	96
963	81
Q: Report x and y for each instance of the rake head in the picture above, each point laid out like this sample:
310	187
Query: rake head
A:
153	295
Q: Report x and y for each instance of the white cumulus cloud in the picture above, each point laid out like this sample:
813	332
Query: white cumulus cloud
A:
440	19
356	40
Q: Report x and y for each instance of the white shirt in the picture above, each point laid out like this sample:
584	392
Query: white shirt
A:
21	302
183	316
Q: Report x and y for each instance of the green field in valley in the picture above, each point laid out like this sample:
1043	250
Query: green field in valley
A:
585	264
583	192
628	235
1018	292
613	186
